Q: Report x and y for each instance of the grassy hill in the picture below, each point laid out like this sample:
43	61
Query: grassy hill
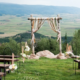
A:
23	37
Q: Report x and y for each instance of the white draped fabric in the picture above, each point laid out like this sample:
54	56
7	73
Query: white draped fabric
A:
36	25
54	26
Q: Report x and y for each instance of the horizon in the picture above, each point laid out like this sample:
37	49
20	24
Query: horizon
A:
38	5
68	3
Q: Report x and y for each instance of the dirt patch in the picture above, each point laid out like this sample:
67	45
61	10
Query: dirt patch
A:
6	35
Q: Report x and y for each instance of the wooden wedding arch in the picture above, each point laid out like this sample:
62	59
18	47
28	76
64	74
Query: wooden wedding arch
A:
36	24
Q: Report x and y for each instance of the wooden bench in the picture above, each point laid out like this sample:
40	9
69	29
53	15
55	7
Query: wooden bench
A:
8	56
78	61
5	67
6	59
2	74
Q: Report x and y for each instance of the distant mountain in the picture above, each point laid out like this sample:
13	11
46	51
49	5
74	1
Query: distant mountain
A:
15	9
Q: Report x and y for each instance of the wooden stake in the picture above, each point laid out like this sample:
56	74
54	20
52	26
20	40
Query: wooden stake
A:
22	49
60	46
25	44
12	58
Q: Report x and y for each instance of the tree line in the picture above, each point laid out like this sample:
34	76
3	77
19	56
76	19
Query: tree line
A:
42	43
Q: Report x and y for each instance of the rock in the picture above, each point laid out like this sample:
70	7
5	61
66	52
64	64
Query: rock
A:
33	56
61	56
27	56
41	54
69	53
46	53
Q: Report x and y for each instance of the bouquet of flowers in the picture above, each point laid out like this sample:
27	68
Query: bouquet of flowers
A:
27	48
23	55
13	67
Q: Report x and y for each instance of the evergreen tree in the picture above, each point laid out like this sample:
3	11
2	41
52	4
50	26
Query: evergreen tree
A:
76	43
64	43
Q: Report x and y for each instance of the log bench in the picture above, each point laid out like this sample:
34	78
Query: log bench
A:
8	56
6	59
78	61
5	67
2	74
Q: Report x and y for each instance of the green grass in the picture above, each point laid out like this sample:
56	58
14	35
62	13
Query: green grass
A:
45	69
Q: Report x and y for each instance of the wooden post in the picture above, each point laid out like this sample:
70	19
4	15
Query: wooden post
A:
23	53
60	46
32	36
12	58
25	44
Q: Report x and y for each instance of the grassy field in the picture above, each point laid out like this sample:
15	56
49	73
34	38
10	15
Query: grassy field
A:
45	69
12	25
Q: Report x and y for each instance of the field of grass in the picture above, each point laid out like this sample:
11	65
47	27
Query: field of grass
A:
12	25
45	69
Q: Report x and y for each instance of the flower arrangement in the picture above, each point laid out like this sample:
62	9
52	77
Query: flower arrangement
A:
27	48
23	55
13	67
25	51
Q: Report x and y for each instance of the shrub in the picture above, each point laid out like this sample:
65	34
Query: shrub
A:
76	43
64	44
47	44
9	47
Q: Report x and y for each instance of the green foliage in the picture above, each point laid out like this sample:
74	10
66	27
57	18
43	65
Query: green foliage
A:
76	43
47	44
64	43
28	52
9	47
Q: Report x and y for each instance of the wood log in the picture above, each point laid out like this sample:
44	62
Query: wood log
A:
44	18
12	58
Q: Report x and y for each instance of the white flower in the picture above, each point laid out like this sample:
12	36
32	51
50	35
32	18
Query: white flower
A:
23	54
13	67
27	48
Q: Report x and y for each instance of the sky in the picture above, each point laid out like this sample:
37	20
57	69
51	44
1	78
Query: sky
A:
72	3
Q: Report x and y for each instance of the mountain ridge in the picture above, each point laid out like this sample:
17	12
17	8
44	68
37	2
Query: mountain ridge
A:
17	9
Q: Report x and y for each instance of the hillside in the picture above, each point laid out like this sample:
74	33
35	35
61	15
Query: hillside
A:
22	37
11	25
19	10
